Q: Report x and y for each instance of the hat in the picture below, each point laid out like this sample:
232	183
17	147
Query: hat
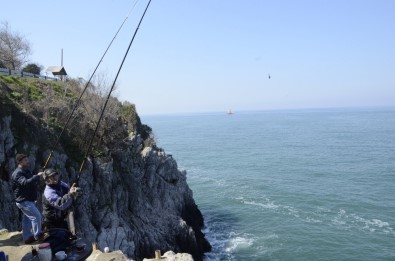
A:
20	157
49	172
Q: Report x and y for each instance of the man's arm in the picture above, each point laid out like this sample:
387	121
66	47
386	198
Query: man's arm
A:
61	203
24	182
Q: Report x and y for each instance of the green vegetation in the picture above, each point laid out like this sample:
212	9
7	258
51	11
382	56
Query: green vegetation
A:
32	68
40	109
7	79
58	89
34	92
16	96
24	88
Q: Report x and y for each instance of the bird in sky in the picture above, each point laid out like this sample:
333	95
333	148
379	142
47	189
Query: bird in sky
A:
269	76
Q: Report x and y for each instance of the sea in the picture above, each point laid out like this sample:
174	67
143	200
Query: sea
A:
316	184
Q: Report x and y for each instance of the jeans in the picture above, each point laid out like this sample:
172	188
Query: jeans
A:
31	219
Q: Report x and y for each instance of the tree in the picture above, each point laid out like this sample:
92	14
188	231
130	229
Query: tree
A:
14	48
32	68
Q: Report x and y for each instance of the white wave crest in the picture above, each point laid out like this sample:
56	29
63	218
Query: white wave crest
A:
353	220
239	242
267	205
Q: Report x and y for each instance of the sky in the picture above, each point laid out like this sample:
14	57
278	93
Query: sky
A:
213	55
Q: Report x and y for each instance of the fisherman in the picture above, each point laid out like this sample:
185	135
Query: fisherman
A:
24	185
57	200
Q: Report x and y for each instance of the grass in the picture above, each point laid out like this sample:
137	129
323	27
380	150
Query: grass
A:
39	109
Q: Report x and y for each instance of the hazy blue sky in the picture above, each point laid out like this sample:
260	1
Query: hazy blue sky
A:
212	55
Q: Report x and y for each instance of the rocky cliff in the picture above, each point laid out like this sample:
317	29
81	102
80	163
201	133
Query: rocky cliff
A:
135	199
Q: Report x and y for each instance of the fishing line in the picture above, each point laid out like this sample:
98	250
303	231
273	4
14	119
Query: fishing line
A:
77	103
109	93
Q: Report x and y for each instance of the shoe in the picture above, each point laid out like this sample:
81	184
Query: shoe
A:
30	240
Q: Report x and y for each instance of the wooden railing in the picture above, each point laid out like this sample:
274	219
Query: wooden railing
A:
9	72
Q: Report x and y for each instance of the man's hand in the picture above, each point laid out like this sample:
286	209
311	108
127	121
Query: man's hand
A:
41	174
74	191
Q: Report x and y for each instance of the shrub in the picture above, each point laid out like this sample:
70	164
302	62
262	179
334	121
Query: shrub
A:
32	68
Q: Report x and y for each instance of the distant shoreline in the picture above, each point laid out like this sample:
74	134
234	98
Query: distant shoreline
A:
329	109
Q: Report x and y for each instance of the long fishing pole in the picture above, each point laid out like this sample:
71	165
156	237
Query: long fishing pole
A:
109	94
77	103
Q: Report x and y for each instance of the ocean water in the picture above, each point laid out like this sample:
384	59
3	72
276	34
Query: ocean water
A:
289	185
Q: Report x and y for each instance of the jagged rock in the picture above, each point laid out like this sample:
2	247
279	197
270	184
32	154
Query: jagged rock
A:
134	200
12	245
97	255
171	256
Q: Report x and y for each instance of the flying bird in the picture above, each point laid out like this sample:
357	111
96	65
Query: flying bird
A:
269	76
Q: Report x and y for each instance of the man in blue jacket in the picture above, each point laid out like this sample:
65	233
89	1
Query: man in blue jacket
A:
24	185
58	198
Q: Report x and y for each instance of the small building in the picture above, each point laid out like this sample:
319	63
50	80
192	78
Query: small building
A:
58	71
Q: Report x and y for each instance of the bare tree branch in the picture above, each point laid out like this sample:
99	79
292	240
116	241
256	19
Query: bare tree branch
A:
14	48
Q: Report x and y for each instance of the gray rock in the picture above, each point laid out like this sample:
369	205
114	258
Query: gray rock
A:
135	200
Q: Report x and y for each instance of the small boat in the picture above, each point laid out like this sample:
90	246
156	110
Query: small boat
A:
230	112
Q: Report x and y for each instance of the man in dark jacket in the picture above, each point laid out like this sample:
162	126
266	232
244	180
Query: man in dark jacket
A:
24	184
58	197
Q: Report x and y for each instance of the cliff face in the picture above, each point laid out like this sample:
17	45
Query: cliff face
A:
135	199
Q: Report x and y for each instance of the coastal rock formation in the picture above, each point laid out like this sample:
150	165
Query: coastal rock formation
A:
11	243
134	199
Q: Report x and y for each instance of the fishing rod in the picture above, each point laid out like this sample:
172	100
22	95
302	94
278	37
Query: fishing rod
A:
77	103
71	211
109	94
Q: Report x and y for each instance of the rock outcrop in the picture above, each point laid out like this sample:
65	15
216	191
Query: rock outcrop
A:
15	250
135	199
